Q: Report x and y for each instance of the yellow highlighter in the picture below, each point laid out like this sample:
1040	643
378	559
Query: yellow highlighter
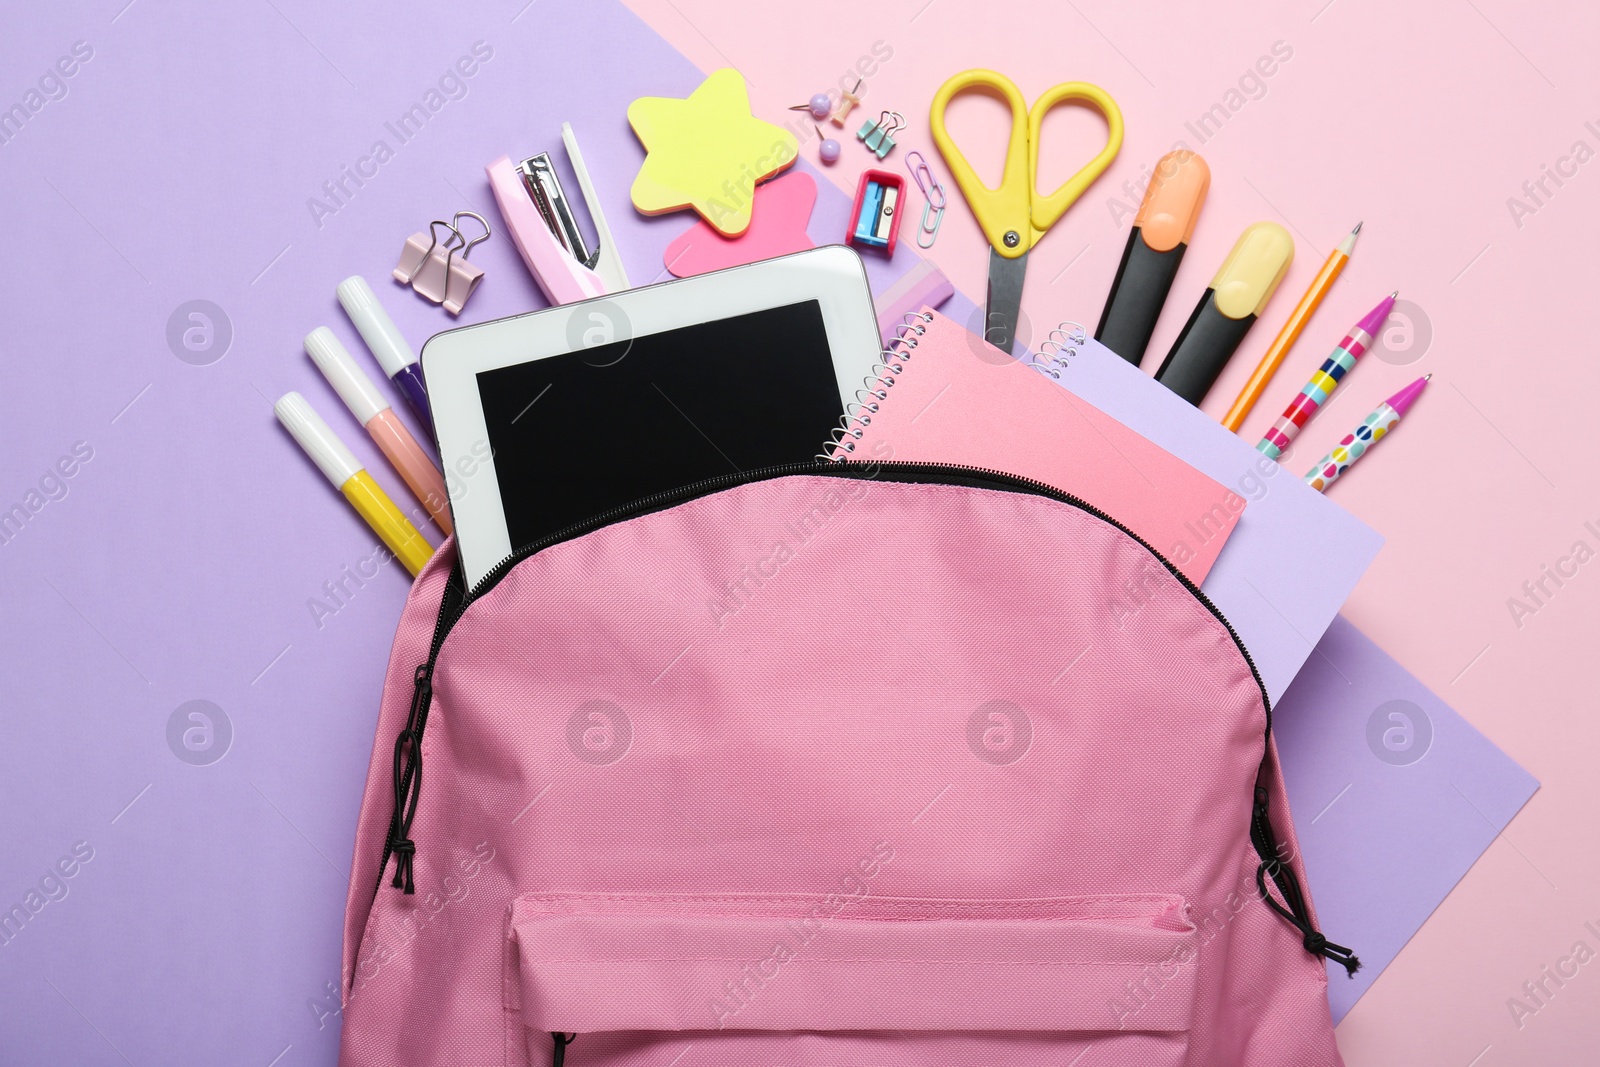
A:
346	473
1240	291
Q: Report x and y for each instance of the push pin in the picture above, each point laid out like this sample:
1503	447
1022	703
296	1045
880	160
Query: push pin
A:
847	101
439	271
828	151
879	136
819	105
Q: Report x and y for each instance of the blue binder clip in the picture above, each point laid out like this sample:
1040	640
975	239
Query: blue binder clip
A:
878	135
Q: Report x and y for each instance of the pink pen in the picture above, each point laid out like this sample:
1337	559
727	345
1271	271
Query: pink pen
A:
361	396
1372	429
1326	379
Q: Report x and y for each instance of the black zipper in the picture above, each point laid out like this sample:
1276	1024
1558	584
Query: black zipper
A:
457	598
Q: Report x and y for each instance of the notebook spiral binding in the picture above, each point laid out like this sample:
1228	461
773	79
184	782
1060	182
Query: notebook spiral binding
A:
1057	351
876	385
1052	359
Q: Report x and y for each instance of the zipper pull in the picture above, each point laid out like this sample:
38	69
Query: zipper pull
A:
1318	945
1294	908
561	1043
408	780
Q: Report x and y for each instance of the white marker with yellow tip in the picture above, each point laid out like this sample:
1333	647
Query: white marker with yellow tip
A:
341	467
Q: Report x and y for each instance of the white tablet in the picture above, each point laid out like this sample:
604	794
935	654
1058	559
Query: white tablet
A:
549	419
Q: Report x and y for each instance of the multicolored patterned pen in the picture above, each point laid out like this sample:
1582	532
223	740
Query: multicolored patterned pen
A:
1326	380
1354	445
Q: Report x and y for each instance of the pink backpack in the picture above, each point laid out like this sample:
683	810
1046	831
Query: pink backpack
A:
847	765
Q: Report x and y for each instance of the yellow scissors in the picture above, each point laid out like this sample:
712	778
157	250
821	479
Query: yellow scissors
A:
1014	216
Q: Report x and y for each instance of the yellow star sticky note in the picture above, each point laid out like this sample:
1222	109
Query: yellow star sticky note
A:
707	152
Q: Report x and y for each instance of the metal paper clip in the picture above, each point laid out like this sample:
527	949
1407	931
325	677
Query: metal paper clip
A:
922	174
441	272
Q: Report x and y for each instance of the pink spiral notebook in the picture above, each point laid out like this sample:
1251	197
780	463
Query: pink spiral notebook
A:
958	399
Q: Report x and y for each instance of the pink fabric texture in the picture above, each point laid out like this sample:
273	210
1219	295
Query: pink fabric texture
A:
821	771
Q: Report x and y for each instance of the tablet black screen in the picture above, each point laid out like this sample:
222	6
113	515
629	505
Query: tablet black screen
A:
578	434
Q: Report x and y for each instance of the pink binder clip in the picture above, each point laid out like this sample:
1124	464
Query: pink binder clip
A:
441	272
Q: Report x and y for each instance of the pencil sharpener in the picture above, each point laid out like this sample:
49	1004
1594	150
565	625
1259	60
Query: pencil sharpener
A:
875	219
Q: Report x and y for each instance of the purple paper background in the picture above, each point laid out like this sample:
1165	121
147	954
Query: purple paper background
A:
1384	841
180	562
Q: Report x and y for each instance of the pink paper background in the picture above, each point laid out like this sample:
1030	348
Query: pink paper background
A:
1421	119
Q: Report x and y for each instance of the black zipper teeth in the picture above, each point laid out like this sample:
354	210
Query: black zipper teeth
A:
447	619
726	481
1260	829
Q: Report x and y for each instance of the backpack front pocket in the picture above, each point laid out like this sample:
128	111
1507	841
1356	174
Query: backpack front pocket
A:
829	979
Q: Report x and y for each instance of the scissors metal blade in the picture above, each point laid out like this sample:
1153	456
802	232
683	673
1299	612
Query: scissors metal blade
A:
1003	305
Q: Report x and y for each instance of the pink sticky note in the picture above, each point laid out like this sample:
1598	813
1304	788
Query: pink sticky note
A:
777	227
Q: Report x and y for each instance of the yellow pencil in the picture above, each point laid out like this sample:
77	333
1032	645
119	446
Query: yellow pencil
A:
347	474
1291	332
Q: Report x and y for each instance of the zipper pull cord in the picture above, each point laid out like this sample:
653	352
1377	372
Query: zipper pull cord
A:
408	781
1296	913
561	1043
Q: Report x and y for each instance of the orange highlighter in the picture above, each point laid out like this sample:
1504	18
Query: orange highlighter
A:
1161	232
1237	295
369	407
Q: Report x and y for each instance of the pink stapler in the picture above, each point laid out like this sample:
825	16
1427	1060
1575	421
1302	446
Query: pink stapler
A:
539	215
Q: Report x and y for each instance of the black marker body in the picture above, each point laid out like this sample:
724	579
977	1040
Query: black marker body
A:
1207	342
1144	277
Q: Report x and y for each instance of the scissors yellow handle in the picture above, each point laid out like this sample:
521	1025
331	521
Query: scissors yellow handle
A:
1015	215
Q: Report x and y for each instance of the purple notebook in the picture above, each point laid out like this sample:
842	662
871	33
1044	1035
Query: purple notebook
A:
1394	795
